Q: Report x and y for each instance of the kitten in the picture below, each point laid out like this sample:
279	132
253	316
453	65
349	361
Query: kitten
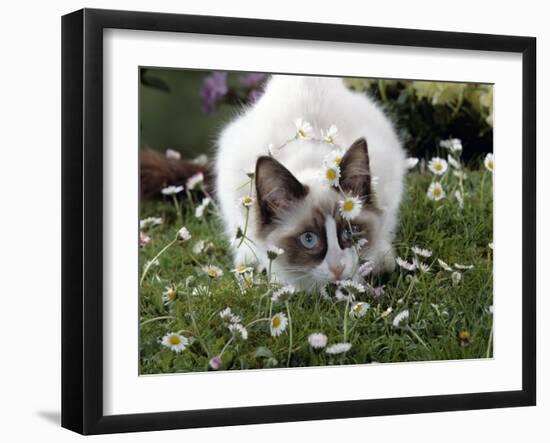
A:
294	209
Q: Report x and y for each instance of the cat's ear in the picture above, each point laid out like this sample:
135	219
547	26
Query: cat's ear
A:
355	175
277	189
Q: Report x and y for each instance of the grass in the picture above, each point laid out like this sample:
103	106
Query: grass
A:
446	321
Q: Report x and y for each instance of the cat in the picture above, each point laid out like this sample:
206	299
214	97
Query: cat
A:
267	153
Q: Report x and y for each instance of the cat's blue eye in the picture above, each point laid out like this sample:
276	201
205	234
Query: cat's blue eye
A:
309	240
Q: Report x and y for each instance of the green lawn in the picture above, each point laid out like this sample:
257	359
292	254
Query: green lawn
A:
446	320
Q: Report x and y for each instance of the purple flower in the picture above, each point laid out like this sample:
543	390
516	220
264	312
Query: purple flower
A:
377	292
215	363
213	90
253	80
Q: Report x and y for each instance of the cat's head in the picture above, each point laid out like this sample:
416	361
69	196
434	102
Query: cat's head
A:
304	220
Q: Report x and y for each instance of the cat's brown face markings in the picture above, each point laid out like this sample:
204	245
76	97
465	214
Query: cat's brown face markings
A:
297	220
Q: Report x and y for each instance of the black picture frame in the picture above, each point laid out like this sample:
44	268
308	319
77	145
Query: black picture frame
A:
82	219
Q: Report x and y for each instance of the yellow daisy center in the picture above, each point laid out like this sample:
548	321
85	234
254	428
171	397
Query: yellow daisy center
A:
438	166
301	133
171	294
212	273
464	335
241	268
491	165
437	192
331	174
174	340
247	200
348	206
276	322
338	160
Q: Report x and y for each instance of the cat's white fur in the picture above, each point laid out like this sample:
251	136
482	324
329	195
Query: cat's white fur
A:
322	102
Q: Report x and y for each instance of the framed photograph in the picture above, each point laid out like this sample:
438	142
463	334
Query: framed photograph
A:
269	221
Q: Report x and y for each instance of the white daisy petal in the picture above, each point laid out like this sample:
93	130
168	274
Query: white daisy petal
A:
437	165
489	162
174	341
403	315
277	324
317	340
350	207
436	191
338	348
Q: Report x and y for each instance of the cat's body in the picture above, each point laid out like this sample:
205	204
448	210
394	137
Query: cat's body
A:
287	207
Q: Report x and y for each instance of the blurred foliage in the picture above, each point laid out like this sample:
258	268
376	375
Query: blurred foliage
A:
427	112
184	110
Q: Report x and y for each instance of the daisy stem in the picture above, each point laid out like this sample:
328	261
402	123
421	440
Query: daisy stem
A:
150	262
225	346
482	186
269	274
245	227
150	320
195	327
346	319
417	336
178	209
289	333
490	343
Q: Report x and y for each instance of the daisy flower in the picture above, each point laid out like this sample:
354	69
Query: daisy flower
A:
444	265
359	309
183	234
411	162
459	198
453	162
172	155
200	290
329	134
334	158
453	144
174	341
201	160
242	269
172	190
405	264
463	267
422	252
437	165
403	315
366	268
460	175
422	267
149	222
194	181
386	312
317	340
213	271
199	210
273	252
350	207
169	295
303	129
144	239
283	294
278	324
489	162
229	316
247	201
347	289
338	348
436	191
238	330
331	174
198	247
456	277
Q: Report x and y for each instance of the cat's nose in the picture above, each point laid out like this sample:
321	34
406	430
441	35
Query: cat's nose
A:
337	271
